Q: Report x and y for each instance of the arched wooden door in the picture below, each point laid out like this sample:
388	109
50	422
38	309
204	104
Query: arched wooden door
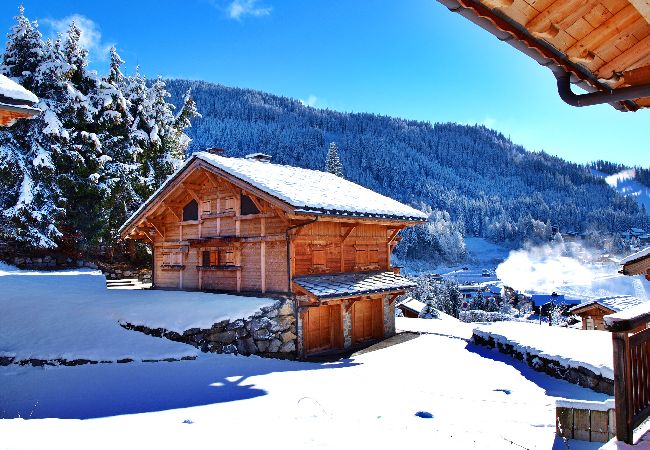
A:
367	320
323	328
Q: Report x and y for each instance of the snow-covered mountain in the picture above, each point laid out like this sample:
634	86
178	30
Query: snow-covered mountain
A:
624	182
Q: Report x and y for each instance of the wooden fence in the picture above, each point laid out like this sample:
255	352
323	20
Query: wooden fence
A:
631	373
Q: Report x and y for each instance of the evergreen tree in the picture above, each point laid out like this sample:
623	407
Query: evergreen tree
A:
29	202
333	162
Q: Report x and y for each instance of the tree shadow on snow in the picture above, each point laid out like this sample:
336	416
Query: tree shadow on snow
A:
93	391
552	386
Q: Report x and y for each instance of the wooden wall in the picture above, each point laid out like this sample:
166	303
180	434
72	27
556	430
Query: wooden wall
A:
341	246
258	240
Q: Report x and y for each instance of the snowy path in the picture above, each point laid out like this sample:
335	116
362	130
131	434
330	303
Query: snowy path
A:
476	400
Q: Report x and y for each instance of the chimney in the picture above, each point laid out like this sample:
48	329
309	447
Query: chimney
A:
215	151
262	157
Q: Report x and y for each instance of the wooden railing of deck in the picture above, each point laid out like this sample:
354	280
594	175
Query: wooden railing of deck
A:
631	373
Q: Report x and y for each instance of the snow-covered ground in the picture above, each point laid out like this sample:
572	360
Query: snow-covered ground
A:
431	391
444	326
569	346
71	315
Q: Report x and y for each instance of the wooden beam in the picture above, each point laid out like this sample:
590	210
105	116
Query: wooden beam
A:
171	210
626	60
350	229
637	76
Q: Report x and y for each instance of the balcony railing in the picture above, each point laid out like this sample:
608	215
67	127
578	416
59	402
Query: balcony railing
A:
631	344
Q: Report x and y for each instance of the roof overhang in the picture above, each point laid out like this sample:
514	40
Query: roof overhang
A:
542	35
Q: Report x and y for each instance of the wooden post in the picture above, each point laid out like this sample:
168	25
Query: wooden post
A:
622	385
218	218
263	255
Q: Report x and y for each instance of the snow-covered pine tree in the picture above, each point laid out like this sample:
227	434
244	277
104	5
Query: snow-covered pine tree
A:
333	162
119	172
29	202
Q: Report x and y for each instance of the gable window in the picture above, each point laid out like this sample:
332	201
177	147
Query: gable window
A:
248	206
191	211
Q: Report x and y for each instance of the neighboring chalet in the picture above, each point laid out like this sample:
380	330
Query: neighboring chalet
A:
16	102
246	225
637	264
592	312
411	308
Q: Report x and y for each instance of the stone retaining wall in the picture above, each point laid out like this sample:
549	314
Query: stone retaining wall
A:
580	375
271	332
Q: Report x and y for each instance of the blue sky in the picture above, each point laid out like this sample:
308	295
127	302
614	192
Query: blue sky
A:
411	59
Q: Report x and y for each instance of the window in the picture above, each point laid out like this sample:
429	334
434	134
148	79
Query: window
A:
319	258
248	206
210	258
206	207
172	259
366	256
229	204
191	211
213	258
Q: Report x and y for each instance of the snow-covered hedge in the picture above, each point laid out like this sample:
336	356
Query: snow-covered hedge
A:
477	315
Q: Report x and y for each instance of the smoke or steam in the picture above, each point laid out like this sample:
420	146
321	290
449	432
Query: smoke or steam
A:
567	269
543	269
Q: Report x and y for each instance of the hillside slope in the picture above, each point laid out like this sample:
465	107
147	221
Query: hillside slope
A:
625	183
490	186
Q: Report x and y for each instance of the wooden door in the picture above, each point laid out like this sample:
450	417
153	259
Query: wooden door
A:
367	320
323	330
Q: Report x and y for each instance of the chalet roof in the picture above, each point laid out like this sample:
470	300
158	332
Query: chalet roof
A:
602	44
15	101
615	303
636	256
351	284
313	191
14	94
309	192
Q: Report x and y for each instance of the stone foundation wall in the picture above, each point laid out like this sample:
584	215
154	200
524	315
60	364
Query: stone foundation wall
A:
389	317
271	332
580	375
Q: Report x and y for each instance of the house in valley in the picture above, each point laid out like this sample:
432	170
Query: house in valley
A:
593	311
637	264
16	102
245	225
411	308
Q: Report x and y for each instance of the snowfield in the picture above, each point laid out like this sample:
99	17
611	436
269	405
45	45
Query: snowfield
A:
71	315
436	390
570	347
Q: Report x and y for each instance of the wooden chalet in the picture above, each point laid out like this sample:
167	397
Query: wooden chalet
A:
603	46
16	102
249	226
637	264
593	311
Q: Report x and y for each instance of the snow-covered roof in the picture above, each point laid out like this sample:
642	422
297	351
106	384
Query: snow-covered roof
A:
308	191
13	91
352	284
635	256
414	305
615	303
312	191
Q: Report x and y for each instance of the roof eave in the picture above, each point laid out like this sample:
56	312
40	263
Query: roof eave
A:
505	29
